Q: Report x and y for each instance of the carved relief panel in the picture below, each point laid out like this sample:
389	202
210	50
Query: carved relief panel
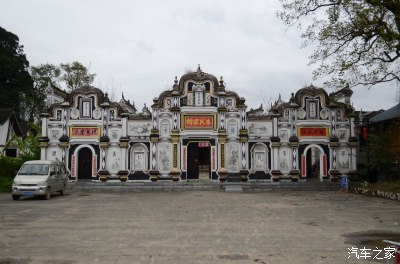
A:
233	157
164	157
260	128
344	158
139	157
259	158
113	158
284	159
136	128
54	154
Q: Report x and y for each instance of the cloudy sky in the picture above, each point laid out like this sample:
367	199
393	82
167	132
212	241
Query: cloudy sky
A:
139	46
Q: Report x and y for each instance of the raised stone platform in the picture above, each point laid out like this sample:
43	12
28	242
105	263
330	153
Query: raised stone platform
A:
169	186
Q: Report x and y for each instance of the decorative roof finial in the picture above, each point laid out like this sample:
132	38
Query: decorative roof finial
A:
199	72
175	87
221	87
106	97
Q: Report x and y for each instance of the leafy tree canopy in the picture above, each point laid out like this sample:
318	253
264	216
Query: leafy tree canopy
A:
15	80
66	75
358	41
75	75
70	76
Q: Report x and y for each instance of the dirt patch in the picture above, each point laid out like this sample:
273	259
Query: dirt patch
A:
371	239
234	257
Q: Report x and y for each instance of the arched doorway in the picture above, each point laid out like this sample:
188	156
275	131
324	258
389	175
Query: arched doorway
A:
85	163
314	163
198	160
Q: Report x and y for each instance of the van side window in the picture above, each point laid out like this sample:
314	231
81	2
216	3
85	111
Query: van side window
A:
52	169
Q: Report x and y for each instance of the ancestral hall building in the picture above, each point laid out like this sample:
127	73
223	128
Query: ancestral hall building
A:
200	130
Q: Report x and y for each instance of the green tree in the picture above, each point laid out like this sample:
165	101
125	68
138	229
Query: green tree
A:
76	75
43	76
15	80
376	156
358	41
28	146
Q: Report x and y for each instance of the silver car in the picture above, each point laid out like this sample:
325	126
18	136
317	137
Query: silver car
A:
40	178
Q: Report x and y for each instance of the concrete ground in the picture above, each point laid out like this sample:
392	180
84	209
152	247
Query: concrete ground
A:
195	227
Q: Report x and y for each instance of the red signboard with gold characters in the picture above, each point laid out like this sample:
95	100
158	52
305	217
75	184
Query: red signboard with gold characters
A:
84	132
198	122
313	132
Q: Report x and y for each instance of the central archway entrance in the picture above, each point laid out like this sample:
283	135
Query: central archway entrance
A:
85	163
199	160
314	162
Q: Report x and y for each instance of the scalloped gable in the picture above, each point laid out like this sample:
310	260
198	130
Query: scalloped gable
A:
297	100
311	91
197	76
87	90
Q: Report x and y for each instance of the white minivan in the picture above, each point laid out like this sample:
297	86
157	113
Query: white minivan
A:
40	178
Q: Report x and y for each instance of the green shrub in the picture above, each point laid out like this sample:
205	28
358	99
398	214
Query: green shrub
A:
5	184
9	166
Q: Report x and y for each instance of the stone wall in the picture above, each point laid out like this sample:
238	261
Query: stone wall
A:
375	193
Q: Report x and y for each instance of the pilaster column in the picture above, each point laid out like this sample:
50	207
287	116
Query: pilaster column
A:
294	145
64	119
223	174
334	172
275	145
104	140
123	145
353	143
44	140
154	137
244	138
175	172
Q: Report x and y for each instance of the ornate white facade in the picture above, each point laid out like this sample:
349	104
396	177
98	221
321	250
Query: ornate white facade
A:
199	130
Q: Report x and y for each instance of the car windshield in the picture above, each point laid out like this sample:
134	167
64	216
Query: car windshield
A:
34	169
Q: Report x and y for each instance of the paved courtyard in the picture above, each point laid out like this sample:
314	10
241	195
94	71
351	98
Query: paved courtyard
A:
194	227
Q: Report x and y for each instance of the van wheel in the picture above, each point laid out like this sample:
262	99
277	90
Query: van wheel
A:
15	197
64	190
48	194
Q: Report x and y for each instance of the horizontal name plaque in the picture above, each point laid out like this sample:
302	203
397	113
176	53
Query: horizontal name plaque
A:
313	132
197	122
84	132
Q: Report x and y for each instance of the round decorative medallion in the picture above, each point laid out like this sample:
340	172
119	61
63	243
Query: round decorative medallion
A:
96	114
301	114
74	113
324	114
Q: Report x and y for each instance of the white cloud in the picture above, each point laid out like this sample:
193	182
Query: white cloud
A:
138	47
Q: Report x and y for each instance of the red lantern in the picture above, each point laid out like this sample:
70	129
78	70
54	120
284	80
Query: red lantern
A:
365	133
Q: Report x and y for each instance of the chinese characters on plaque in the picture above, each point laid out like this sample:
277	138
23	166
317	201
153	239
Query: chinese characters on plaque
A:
313	132
87	132
203	144
201	122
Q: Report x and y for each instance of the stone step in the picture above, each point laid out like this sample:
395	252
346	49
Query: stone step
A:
116	186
